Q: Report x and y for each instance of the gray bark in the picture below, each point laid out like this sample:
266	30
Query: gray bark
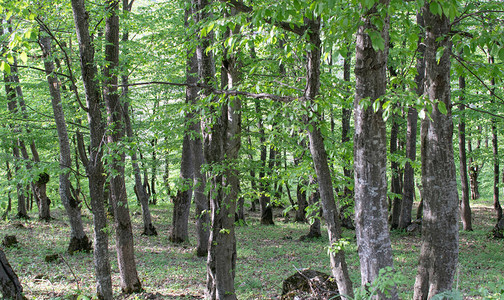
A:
320	161
123	228
439	251
221	145
199	177
94	164
370	157
78	238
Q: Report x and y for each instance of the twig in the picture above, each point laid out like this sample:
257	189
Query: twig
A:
75	277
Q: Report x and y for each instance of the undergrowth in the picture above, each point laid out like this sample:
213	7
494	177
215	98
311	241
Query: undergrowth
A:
266	256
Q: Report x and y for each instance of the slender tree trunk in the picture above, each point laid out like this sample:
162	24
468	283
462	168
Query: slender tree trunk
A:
141	193
439	251
93	164
9	198
22	213
465	208
320	161
78	238
495	148
395	184
346	114
124	233
370	157
411	136
314	201
264	200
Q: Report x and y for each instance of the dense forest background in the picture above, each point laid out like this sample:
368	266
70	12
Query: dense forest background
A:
196	127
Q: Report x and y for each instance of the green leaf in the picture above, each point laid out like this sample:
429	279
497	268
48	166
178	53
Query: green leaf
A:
5	67
435	8
24	57
376	40
442	107
439	53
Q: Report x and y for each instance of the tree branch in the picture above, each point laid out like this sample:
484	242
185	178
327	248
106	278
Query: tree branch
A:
461	62
459	19
285	99
479	110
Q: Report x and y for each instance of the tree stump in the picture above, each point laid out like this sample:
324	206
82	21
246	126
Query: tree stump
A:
9	283
310	284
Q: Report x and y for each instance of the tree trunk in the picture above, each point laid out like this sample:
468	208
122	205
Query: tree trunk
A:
465	208
348	196
439	251
395	184
314	200
124	233
264	200
221	146
320	161
9	282
141	193
370	157
22	213
411	137
182	201
94	165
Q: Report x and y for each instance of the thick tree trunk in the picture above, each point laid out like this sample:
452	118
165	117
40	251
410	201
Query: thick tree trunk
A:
94	165
370	157
465	208
439	251
320	161
10	287
124	232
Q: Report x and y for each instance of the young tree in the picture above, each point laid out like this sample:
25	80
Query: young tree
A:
465	208
411	135
439	251
93	161
78	238
124	233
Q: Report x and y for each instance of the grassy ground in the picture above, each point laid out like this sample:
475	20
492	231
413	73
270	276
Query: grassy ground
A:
266	256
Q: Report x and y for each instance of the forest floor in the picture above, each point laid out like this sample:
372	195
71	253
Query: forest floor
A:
266	256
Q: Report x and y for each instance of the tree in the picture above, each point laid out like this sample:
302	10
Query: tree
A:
78	238
93	161
465	208
411	135
124	233
439	251
140	191
370	154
